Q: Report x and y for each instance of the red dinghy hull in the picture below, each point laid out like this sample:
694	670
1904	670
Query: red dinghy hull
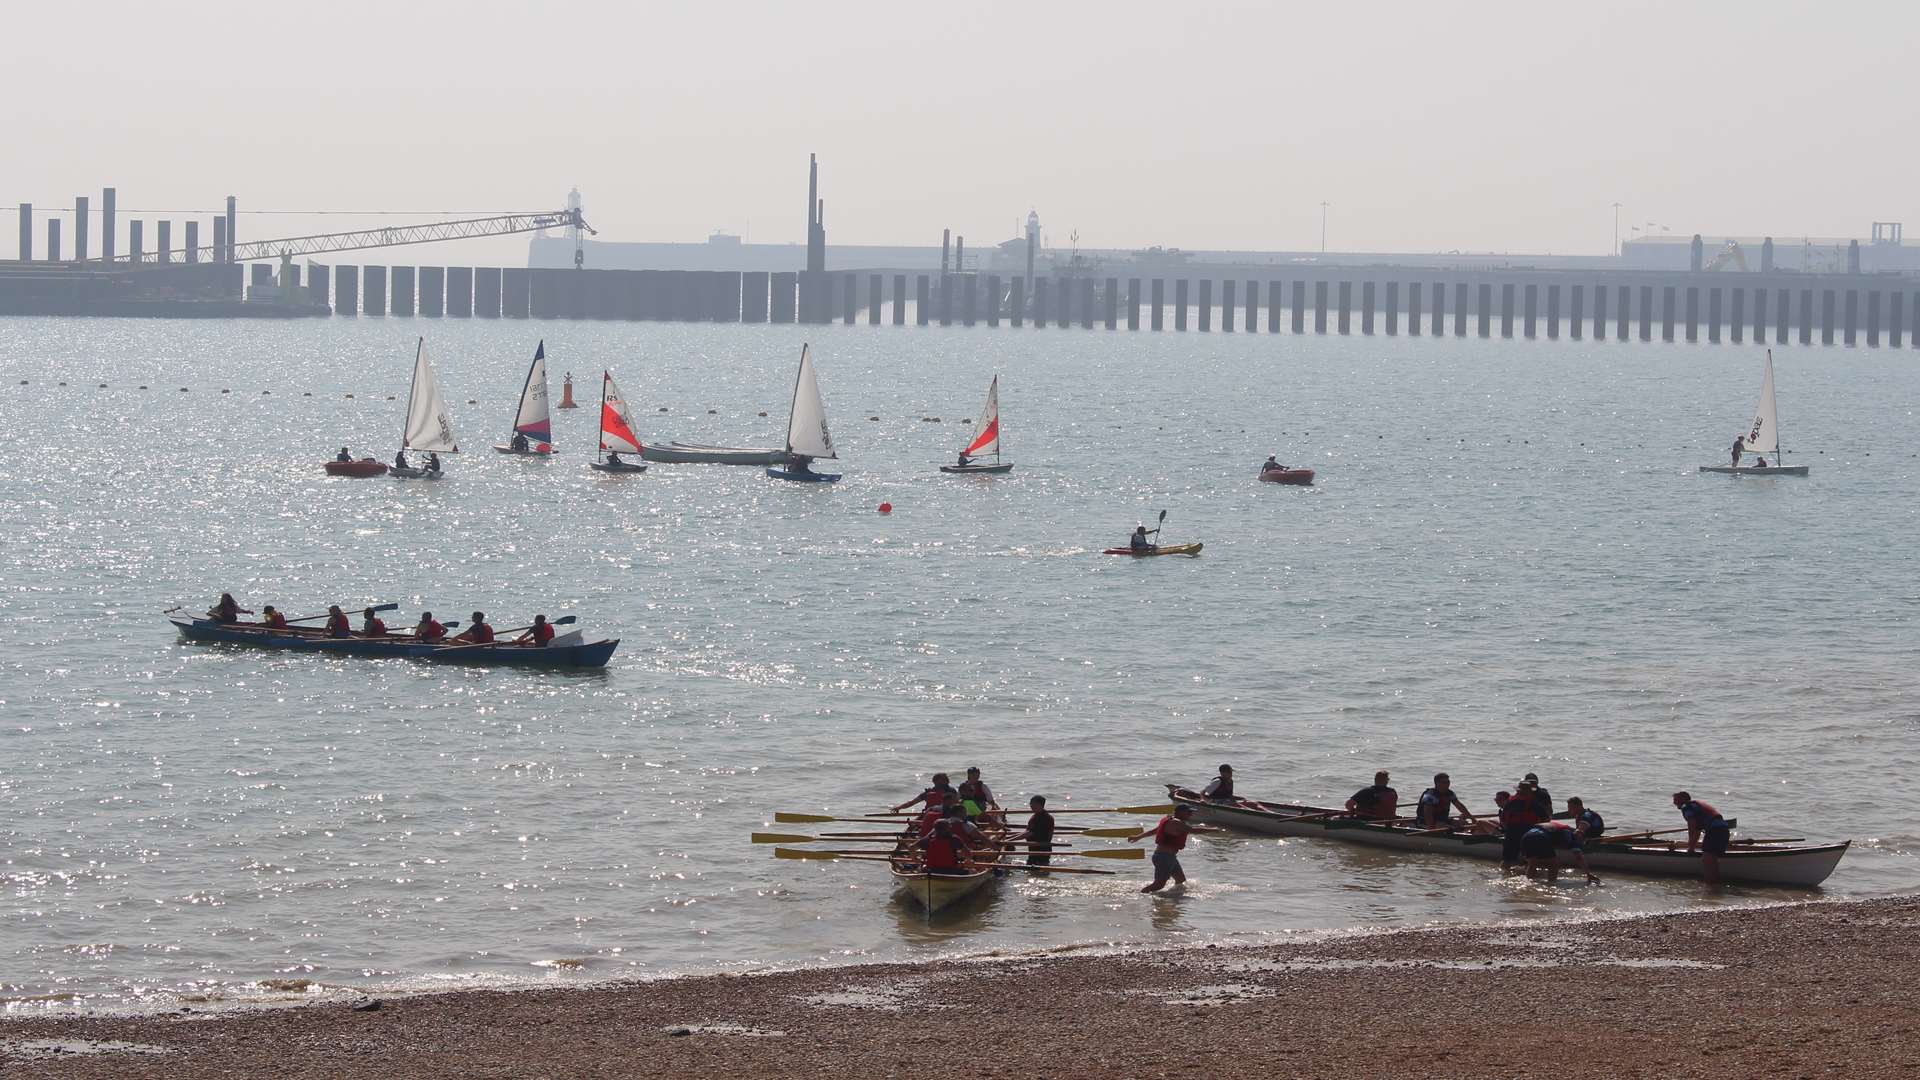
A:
1287	476
364	467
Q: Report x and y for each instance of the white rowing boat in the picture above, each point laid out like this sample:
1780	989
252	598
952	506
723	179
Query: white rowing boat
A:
1769	864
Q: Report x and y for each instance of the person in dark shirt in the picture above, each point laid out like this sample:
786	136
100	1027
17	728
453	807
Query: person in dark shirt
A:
937	795
1435	809
1707	831
1220	788
1541	847
1739	446
343	455
227	611
1138	541
1039	832
1377	802
1542	801
1590	824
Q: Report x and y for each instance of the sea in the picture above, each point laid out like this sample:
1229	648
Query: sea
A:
1508	563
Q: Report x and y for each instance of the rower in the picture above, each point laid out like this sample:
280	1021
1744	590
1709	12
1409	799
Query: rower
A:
227	611
537	635
1220	788
1590	824
1271	465
1542	844
1169	836
975	795
371	625
518	443
343	455
1377	802
400	459
271	618
942	851
477	632
338	625
428	630
938	794
1542	800
1434	810
1706	830
1138	541
1039	832
968	832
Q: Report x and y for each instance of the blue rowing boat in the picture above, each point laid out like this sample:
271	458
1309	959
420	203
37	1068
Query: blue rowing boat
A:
587	655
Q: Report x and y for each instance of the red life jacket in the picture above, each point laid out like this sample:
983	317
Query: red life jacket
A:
1165	837
275	621
433	631
480	632
375	627
943	852
924	826
543	633
339	625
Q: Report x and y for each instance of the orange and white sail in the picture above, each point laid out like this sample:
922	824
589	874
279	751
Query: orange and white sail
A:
617	433
986	433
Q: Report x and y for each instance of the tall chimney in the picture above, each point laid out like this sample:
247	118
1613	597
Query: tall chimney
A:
80	229
108	249
946	241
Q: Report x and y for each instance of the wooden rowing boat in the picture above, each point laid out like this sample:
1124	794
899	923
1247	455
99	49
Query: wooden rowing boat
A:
937	892
553	655
1802	866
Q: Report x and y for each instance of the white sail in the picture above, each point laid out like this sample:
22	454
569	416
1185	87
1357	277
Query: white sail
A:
532	419
617	433
428	425
986	433
807	425
1764	436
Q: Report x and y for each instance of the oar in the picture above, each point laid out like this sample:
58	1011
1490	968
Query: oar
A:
795	853
311	618
500	636
835	838
1605	839
1101	853
1774	840
1157	808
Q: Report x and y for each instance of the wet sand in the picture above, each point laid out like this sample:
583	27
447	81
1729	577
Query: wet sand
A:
1814	989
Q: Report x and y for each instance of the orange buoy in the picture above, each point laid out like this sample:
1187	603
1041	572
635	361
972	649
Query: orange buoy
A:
886	508
566	392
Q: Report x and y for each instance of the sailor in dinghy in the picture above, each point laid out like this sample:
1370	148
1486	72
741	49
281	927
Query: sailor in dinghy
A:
807	435
1761	439
428	426
532	424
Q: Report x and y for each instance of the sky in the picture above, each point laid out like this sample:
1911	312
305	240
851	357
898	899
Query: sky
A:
1496	126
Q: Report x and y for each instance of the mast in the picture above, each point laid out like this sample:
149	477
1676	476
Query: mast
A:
605	377
413	385
1779	444
795	403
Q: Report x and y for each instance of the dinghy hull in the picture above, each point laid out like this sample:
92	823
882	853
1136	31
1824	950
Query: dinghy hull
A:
803	477
1755	470
977	470
1302	477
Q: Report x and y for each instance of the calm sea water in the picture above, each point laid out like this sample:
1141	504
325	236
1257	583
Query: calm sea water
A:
1509	564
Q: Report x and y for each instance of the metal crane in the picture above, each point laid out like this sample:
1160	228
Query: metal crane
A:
390	236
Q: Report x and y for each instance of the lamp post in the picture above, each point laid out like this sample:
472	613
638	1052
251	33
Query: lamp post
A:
1323	228
1616	230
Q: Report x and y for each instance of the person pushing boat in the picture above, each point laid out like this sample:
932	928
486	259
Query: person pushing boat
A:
227	611
1169	837
1376	802
429	630
1542	844
1707	831
537	635
1542	799
1519	813
1590	824
371	624
1437	803
478	632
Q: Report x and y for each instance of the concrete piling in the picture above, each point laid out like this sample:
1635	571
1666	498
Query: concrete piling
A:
993	299
53	239
1040	298
1086	303
486	292
945	307
1693	314
1366	308
1392	308
1158	320
460	292
1297	308
1227	306
899	299
1782	315
259	275
849	298
516	293
1553	312
1669	311
163	243
319	283
1064	298
783	291
1206	304
1319	307
874	296
1873	319
1133	303
191	251
922	300
80	223
233	227
346	290
1532	299
402	278
108	197
1646	313
1806	316
969	299
433	291
1851	309
1017	301
1180	304
1737	315
1506	309
1344	311
1253	307
1713	316
1893	319
1113	303
1273	306
1485	311
1413	308
1576	321
26	232
373	298
219	239
1759	316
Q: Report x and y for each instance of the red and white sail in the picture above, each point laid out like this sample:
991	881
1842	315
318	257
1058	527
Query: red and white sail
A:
532	419
986	433
617	434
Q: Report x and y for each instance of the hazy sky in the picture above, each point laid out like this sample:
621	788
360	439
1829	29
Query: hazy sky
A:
1428	126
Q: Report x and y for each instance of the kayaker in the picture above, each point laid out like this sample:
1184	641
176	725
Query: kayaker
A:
478	632
338	625
1436	805
975	795
371	625
1377	802
942	851
1739	446
1220	788
1039	832
1542	844
518	443
1590	824
1138	541
1707	831
343	455
271	618
1169	836
1542	801
227	610
538	634
428	630
400	460
938	794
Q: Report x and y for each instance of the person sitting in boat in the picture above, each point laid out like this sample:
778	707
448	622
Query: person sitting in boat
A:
1739	447
338	625
271	618
1707	831
1590	824
938	794
400	460
1542	799
371	624
428	630
1377	802
1138	541
518	443
613	459
343	455
1039	832
1542	844
537	635
965	460
975	796
227	611
478	632
1271	465
942	851
797	464
433	462
972	835
1760	463
1436	805
1220	788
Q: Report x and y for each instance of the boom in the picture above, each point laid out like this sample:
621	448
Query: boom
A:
392	236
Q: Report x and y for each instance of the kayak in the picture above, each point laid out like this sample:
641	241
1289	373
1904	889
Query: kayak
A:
363	467
808	477
1286	476
1163	549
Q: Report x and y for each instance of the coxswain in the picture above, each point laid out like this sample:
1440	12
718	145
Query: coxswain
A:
338	625
1377	802
942	851
1590	824
518	443
975	795
400	459
343	455
271	618
938	794
1437	803
1169	836
1220	788
1039	832
227	611
1542	800
1138	541
477	631
1542	844
1707	831
428	630
537	635
371	625
1739	447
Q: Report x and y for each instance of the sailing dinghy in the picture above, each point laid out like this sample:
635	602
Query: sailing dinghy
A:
807	436
1762	438
986	440
616	431
532	424
428	429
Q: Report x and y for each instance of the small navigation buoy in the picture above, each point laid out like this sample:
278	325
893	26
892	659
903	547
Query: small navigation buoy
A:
307	394
266	393
350	395
886	508
713	412
23	382
763	412
566	392
389	397
183	389
663	408
103	386
470	401
223	389
143	386
873	418
63	384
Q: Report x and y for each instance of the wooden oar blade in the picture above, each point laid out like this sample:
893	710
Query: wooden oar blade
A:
785	818
795	853
781	838
1113	853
